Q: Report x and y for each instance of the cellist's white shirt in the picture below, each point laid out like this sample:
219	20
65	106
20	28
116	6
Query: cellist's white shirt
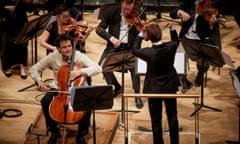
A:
54	61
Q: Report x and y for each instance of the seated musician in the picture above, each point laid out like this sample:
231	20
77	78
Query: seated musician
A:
115	30
64	18
55	61
198	26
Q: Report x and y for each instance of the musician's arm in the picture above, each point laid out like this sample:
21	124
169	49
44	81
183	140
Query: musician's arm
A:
43	41
88	66
36	72
173	33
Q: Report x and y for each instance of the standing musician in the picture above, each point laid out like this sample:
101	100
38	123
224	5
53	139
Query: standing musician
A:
199	23
161	77
120	37
55	61
13	16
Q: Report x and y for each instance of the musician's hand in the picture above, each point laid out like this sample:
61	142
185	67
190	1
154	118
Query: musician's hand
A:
212	20
116	42
74	74
10	8
167	25
80	36
42	86
183	15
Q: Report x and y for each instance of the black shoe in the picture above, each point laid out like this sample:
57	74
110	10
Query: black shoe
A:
186	85
23	76
53	138
117	91
80	139
7	73
139	103
197	83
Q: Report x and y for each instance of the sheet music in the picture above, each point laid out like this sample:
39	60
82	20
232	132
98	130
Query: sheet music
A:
227	59
179	64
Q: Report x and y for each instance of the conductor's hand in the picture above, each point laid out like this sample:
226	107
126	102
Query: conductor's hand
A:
183	15
42	86
167	25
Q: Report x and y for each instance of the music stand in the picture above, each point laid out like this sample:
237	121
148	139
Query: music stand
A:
85	98
198	51
120	62
32	29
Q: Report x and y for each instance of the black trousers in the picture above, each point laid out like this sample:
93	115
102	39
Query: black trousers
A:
155	109
110	77
51	125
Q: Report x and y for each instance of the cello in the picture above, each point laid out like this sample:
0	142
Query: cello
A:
60	108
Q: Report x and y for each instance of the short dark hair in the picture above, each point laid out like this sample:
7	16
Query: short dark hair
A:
154	32
60	8
128	1
62	37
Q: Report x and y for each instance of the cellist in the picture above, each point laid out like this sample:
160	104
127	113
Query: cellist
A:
55	61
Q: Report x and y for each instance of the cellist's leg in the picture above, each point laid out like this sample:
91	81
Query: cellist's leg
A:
83	128
50	123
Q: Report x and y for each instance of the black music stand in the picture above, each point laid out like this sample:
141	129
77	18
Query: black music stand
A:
120	62
198	51
93	98
32	29
103	9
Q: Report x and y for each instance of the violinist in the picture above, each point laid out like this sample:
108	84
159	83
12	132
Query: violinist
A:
55	61
199	23
120	37
64	16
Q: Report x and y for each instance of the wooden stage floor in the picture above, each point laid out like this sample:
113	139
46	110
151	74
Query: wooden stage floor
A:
215	127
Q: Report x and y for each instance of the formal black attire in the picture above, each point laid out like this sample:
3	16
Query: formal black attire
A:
14	53
112	21
161	77
208	35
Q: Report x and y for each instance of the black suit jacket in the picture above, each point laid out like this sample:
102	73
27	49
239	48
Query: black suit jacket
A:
161	76
111	21
203	29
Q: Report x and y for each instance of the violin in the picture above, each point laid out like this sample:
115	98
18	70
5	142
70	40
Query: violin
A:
134	19
205	8
80	26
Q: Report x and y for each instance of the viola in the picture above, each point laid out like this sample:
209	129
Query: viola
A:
205	8
60	108
134	19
